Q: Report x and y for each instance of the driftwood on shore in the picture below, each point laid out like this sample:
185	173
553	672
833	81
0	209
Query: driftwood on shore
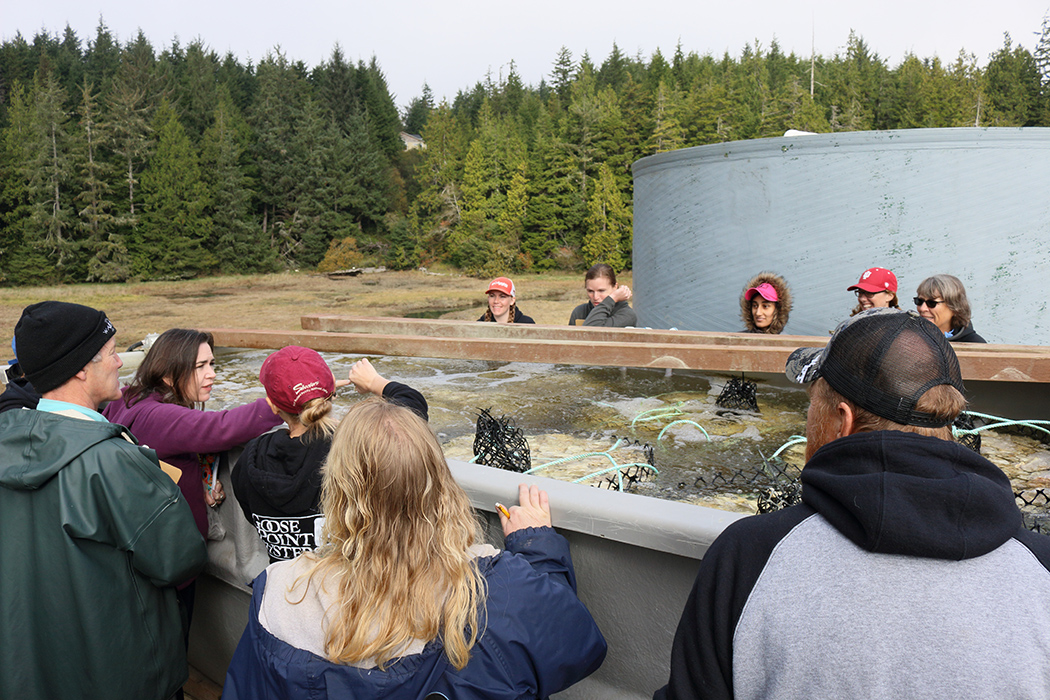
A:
353	272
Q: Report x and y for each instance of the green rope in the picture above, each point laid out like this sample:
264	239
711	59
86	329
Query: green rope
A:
584	455
658	413
1002	424
619	472
794	440
677	422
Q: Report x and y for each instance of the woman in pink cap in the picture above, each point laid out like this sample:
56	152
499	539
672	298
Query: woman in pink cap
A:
502	308
765	304
876	289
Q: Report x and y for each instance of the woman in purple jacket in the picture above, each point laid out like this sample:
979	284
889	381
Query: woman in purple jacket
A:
163	409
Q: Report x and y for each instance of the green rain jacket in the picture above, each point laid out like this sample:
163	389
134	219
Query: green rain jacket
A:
93	537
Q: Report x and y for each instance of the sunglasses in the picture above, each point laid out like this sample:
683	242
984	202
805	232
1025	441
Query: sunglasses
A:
861	293
930	303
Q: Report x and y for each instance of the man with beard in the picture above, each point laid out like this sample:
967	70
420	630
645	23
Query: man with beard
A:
906	572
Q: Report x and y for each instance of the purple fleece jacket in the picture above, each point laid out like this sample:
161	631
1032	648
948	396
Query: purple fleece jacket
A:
178	434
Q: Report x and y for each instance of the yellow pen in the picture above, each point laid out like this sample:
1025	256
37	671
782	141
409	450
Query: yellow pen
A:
503	509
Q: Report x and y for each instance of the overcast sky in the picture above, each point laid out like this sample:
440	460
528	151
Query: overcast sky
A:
452	45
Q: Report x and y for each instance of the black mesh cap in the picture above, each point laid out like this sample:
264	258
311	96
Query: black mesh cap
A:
883	360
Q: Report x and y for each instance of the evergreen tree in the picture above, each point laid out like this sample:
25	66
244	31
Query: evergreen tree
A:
102	58
50	172
511	225
337	88
1012	87
170	240
562	73
196	89
555	206
380	109
418	110
134	95
310	228
103	245
237	240
276	112
364	190
21	262
439	204
667	132
613	72
608	223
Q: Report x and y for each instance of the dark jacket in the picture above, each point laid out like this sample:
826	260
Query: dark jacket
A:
538	639
903	574
966	335
94	536
277	482
783	304
518	317
18	394
607	313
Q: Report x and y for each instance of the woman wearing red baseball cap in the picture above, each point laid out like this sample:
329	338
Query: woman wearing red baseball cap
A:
876	288
502	306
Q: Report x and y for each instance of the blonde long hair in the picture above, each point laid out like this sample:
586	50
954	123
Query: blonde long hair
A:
397	532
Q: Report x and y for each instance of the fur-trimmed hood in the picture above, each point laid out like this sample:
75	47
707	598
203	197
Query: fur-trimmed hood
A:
783	306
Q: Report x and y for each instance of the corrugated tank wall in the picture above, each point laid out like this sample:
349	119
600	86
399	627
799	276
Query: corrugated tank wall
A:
820	209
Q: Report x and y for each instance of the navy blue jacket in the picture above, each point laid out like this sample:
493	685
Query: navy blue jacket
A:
538	639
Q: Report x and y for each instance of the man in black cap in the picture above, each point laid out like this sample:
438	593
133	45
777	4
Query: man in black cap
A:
906	572
93	535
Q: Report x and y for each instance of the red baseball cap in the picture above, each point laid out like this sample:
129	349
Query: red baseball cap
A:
501	284
876	279
768	292
294	376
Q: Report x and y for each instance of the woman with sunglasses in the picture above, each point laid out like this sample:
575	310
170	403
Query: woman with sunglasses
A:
876	288
941	299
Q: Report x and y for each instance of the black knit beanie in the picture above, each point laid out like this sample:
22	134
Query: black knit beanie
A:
56	340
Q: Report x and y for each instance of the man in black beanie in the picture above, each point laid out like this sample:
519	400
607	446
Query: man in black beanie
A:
100	534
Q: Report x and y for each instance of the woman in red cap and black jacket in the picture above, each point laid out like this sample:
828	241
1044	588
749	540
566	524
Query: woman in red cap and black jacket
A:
277	480
503	307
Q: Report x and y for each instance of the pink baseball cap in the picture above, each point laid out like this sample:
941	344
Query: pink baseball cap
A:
768	292
501	284
293	376
876	279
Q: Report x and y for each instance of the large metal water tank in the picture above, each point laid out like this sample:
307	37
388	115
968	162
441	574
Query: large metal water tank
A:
820	209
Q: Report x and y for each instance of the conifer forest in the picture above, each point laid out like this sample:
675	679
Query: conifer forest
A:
127	161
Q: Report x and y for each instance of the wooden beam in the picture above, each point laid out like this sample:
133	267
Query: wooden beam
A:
752	353
579	334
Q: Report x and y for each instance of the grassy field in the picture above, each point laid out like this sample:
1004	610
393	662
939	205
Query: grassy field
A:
276	301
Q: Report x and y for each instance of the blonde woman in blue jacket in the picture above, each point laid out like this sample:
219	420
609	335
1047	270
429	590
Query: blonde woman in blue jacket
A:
404	598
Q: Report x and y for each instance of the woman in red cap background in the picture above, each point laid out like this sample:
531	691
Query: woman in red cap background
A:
876	288
765	304
502	305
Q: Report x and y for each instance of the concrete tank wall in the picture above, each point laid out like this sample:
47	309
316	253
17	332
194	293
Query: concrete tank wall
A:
821	209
